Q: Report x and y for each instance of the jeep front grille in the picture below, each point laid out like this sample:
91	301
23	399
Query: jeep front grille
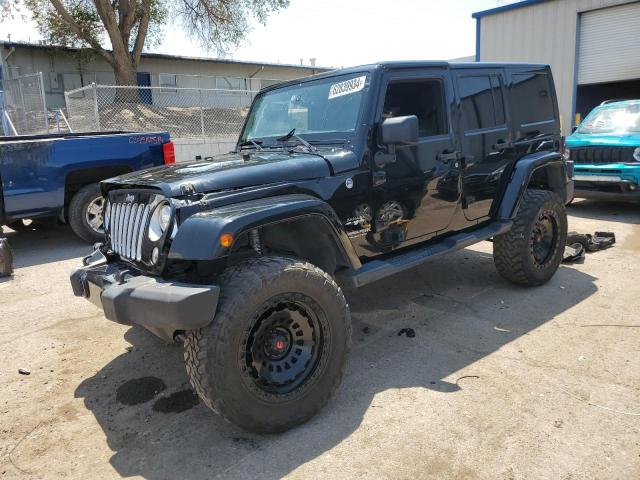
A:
126	227
602	155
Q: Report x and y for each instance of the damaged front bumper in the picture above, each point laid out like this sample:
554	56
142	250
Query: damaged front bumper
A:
128	297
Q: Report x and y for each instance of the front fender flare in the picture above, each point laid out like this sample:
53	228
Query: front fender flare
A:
198	236
523	172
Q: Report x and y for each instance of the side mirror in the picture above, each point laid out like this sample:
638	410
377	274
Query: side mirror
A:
400	130
574	128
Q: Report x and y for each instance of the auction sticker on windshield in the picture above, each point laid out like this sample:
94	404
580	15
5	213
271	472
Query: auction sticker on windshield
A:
348	86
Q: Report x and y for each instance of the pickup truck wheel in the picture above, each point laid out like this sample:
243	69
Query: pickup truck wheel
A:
531	252
85	213
276	350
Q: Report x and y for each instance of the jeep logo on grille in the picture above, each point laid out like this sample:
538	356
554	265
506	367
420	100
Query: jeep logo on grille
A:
129	198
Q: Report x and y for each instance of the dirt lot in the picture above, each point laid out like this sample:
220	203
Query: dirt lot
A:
499	382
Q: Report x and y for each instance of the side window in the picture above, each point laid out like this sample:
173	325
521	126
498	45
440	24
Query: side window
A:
422	98
532	99
482	101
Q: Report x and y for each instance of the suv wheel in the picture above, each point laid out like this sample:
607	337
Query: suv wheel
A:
276	350
531	252
85	213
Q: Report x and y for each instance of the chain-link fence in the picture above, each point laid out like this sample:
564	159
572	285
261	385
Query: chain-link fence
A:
25	107
183	112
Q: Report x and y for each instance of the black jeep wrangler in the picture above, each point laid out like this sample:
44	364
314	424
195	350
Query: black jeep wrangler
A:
342	178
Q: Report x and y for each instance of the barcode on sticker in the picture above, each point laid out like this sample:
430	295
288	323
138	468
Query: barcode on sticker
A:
348	86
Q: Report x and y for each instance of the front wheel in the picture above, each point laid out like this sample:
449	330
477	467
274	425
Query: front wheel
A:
530	253
277	348
85	213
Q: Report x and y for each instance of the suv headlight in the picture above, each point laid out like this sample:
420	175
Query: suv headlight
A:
159	222
636	154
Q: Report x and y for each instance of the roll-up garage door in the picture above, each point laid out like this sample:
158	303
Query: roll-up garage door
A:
609	48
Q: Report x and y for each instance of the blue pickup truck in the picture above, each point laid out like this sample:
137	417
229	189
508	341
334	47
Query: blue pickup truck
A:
44	177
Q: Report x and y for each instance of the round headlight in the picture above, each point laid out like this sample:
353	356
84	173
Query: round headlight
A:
159	221
164	216
636	154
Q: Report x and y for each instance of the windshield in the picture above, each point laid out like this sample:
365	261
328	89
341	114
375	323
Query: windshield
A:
612	119
323	106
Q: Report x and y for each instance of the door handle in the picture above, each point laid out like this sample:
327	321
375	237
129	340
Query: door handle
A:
448	157
500	145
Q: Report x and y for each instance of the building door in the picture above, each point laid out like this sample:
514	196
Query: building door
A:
144	80
608	56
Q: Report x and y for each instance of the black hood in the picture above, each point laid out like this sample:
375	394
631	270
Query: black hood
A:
237	171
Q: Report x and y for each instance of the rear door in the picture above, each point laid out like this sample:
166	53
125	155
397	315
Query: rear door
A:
485	137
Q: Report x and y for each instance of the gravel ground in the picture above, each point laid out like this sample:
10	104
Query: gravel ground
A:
499	382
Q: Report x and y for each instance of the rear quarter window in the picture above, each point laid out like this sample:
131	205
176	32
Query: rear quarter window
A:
532	98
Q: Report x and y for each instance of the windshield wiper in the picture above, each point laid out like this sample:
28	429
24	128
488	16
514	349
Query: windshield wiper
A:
250	142
292	134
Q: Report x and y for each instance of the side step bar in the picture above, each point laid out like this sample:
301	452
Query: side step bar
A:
378	269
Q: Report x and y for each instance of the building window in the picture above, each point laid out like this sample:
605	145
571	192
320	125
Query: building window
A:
482	102
422	98
168	82
230	83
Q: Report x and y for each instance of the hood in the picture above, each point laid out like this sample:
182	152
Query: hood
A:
234	170
603	140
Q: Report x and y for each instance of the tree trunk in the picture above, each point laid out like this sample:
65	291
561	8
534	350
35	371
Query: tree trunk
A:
125	76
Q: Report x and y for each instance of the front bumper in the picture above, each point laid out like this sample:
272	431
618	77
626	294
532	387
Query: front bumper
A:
608	182
127	297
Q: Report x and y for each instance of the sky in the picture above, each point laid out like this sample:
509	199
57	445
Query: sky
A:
337	33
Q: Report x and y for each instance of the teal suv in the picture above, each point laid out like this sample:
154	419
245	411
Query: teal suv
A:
605	151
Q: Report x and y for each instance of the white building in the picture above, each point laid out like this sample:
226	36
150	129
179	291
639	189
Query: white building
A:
593	47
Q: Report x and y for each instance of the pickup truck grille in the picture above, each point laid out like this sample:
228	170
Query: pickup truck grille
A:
602	155
126	226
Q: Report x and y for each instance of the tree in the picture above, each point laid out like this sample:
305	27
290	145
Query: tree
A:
118	30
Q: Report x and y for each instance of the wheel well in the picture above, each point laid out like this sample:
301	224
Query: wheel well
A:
550	177
77	179
310	238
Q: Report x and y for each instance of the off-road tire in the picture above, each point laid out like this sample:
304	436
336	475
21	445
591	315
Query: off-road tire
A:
212	353
77	213
512	251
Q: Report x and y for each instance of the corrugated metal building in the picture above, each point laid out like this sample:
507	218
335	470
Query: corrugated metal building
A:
593	47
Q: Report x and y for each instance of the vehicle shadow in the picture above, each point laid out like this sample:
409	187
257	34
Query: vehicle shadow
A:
37	247
624	212
459	308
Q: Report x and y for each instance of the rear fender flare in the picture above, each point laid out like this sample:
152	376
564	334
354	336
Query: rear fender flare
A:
523	172
198	238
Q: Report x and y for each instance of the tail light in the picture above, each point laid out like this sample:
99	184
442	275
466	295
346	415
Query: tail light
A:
169	153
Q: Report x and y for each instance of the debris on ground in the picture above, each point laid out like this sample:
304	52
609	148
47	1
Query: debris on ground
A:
409	332
6	256
24	371
580	243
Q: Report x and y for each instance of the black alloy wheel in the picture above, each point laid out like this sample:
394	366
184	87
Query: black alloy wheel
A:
283	345
543	237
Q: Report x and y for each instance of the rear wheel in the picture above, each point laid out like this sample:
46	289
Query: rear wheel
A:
530	253
276	350
85	213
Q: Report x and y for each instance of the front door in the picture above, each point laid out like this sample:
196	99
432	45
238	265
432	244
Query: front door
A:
417	190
